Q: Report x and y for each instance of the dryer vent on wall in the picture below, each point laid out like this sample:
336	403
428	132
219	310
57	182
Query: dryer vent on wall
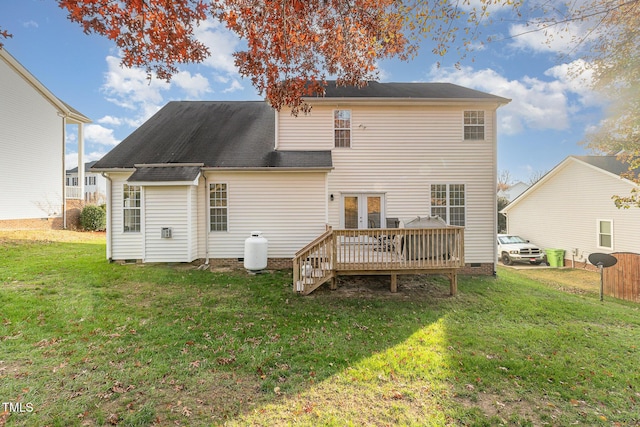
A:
165	232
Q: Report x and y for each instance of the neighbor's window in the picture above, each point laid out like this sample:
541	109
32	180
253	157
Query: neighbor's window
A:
448	202
474	125
605	234
131	208
218	207
342	128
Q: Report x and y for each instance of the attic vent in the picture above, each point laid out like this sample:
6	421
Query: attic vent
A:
165	233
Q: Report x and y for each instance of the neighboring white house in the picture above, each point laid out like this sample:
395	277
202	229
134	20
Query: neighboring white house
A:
95	185
571	208
511	193
33	123
213	172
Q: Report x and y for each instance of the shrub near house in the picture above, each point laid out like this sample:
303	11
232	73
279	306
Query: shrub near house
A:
93	218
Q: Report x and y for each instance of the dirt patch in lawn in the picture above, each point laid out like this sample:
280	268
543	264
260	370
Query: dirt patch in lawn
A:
53	236
409	286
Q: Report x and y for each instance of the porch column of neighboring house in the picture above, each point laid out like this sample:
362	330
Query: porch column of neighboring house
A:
81	160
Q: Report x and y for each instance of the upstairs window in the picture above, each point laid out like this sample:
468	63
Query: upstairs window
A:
448	202
474	125
218	208
342	128
131	208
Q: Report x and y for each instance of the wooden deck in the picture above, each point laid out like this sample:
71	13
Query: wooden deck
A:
386	251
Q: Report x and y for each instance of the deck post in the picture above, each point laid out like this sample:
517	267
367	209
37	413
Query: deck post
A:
334	283
453	283
394	283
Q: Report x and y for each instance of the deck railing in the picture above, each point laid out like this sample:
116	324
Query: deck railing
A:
389	251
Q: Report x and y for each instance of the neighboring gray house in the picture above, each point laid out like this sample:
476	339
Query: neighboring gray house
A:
95	185
213	172
33	123
571	208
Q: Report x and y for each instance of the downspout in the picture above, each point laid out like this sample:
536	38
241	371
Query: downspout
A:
277	131
495	180
206	223
109	208
64	172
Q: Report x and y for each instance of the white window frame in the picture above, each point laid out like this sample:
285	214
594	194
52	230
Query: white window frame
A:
599	234
127	207
336	120
435	209
224	226
474	119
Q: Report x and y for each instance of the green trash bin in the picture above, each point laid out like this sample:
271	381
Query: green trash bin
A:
555	257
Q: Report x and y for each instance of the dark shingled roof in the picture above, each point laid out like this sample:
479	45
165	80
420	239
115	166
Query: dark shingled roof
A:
167	173
607	163
238	134
436	91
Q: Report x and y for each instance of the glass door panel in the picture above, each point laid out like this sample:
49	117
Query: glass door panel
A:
351	212
374	213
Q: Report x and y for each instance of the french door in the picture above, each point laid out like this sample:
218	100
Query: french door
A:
363	211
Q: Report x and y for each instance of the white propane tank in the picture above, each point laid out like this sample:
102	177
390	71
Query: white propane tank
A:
255	252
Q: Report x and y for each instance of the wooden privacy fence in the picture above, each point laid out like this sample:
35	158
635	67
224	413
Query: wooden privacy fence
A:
623	279
382	251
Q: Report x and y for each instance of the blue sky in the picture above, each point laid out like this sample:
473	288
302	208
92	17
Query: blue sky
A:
548	116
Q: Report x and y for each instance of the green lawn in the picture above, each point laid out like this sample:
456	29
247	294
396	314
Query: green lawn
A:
85	342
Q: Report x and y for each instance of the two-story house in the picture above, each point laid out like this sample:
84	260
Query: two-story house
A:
33	125
213	172
95	185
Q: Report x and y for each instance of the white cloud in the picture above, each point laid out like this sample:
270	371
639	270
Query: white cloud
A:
110	120
558	32
30	24
193	85
71	159
130	87
234	86
536	104
100	135
221	43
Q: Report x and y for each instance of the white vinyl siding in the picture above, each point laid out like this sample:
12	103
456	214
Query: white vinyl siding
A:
400	151
31	152
172	207
124	246
289	208
562	211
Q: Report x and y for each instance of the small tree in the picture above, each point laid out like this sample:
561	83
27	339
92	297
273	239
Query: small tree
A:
502	220
93	218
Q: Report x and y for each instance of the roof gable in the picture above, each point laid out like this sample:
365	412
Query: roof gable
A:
73	115
606	165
